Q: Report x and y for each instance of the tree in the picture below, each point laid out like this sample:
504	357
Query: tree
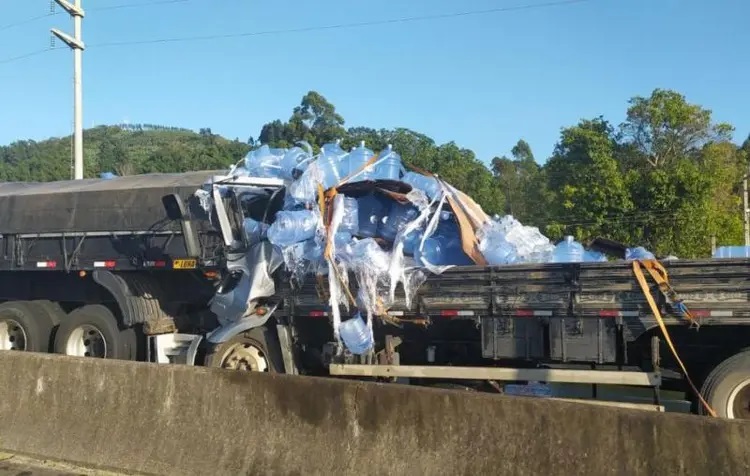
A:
665	127
515	177
590	193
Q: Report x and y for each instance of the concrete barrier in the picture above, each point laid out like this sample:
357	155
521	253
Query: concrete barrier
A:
160	419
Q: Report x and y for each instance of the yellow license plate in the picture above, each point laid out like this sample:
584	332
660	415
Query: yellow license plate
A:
184	264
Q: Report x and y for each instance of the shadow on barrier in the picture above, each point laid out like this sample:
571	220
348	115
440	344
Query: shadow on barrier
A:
170	419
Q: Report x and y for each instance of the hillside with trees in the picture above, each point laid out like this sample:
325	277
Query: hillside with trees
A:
668	178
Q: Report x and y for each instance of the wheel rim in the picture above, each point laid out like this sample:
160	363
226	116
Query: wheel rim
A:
86	341
738	404
12	335
245	357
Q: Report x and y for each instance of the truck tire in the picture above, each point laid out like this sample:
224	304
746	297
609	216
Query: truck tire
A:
727	388
93	331
256	350
25	326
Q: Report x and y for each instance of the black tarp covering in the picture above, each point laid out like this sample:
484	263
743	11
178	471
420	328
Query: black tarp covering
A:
131	203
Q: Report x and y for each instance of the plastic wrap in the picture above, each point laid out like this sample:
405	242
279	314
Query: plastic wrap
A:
376	234
637	253
291	227
264	162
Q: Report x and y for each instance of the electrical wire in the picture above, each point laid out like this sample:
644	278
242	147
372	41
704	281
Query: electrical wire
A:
93	9
27	55
302	29
340	26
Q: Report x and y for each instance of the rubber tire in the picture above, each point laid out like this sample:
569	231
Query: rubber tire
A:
121	343
722	380
36	323
259	337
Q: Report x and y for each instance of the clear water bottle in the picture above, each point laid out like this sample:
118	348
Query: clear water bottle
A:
372	209
356	335
428	185
400	215
568	251
357	159
388	166
292	227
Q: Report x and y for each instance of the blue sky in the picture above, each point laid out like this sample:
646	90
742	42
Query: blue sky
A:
483	81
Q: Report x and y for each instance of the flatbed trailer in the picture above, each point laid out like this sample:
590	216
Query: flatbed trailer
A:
138	268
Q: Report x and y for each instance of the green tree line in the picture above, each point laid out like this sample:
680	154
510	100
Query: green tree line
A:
668	178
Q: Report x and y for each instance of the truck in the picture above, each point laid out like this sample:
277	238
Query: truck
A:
144	268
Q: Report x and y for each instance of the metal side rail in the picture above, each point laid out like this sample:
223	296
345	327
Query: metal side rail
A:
603	377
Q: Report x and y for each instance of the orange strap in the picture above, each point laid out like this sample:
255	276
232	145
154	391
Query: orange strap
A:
654	267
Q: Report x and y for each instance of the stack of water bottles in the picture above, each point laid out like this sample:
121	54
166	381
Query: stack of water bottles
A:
381	240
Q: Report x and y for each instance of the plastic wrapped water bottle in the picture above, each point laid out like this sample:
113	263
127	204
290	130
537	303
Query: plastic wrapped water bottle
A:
568	251
447	225
388	166
442	250
255	231
356	335
592	256
294	162
496	250
400	215
292	227
107	175
411	241
264	162
357	159
639	252
350	219
372	209
332	164
315	247
428	185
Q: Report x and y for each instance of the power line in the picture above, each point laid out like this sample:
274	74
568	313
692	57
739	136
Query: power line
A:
303	29
27	55
133	5
26	21
343	25
94	9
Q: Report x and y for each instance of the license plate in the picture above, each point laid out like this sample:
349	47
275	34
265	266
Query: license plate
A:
184	264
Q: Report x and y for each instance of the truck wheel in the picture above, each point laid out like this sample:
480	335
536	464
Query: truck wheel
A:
93	331
252	351
24	326
727	388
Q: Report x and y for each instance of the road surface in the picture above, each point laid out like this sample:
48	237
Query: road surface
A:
13	465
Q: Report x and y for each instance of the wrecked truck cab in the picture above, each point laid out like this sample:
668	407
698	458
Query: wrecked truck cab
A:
247	276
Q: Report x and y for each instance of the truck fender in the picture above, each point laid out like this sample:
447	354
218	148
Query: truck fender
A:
226	332
137	295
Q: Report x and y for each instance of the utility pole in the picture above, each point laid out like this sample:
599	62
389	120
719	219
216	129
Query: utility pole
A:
76	44
746	210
